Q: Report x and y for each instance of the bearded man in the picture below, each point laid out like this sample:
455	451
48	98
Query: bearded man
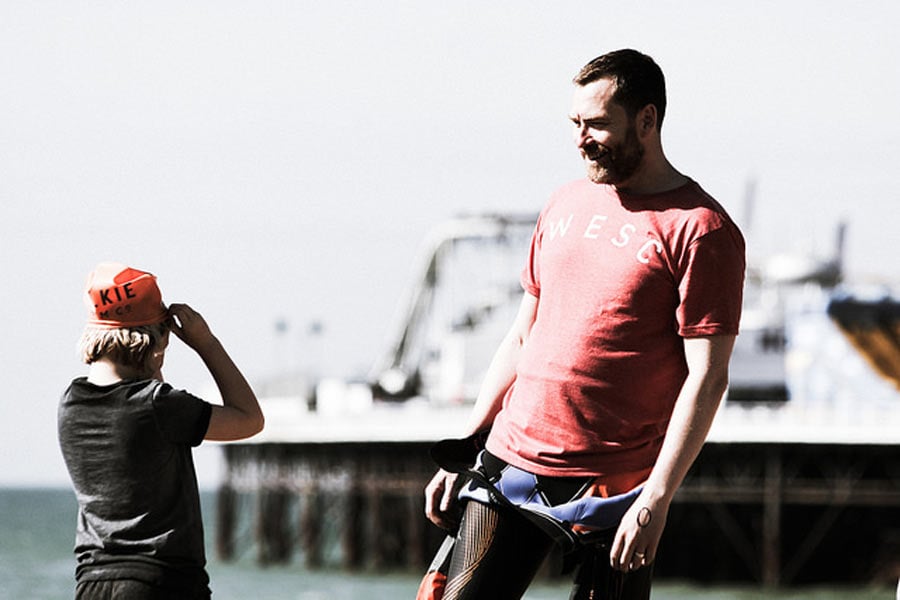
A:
602	393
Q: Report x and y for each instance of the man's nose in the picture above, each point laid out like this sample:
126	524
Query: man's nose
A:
581	134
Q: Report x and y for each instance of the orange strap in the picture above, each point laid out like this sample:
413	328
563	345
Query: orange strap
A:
432	586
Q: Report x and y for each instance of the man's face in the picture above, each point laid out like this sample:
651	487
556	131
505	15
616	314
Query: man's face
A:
606	138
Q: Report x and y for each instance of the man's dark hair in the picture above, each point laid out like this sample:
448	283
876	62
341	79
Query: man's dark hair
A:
639	80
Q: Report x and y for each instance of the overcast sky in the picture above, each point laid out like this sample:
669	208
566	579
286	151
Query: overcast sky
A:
283	160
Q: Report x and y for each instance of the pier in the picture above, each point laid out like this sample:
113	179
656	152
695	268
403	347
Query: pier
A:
768	501
799	481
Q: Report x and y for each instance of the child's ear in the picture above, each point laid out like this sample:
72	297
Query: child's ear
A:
157	358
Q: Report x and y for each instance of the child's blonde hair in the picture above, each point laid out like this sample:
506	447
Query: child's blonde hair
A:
130	346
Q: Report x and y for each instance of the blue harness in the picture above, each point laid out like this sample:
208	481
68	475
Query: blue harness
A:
521	490
514	488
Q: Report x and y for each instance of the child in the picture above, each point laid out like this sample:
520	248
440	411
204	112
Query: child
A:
126	438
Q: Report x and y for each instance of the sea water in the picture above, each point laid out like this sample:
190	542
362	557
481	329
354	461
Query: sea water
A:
36	563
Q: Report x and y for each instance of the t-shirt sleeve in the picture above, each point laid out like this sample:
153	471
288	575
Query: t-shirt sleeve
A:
712	285
182	417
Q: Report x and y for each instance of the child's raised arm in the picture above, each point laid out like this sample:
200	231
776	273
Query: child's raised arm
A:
240	416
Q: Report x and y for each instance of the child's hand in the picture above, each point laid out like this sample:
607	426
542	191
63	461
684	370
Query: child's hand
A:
189	326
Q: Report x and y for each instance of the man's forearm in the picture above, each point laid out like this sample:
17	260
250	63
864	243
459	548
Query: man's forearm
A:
693	414
688	428
502	371
500	375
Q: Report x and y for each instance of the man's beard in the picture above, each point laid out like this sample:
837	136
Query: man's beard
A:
620	163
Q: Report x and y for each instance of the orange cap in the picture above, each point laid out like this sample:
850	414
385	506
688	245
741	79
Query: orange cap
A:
119	296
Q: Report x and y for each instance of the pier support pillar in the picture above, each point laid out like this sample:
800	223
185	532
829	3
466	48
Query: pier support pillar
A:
353	533
415	526
226	517
275	542
311	527
771	534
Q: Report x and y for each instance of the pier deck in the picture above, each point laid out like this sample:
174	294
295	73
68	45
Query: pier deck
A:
779	495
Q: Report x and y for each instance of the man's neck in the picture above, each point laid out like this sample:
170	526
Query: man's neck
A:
653	178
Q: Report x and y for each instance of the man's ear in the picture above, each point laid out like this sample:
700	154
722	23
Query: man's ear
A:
647	119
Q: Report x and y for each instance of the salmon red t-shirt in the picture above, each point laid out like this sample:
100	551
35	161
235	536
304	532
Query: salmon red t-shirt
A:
621	280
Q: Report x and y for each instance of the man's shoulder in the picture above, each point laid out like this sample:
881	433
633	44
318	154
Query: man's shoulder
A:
694	194
694	202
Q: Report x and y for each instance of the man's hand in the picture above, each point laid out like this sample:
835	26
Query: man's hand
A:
637	538
441	507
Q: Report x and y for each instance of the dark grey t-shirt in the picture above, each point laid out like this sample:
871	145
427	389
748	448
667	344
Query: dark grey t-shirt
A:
127	447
